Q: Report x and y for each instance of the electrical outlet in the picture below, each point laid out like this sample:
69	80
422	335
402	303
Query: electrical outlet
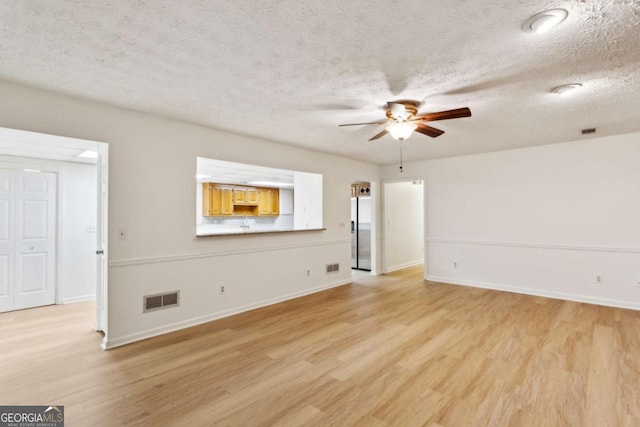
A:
455	264
122	234
598	280
308	273
221	290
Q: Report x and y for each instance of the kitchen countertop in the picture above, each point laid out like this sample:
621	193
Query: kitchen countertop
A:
235	232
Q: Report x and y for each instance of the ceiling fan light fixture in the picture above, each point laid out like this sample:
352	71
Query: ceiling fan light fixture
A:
544	21
401	130
566	89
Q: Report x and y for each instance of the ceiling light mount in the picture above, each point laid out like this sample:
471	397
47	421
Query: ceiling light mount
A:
544	21
565	89
401	130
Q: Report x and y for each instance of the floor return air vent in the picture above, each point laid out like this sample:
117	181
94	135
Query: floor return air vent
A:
160	301
333	268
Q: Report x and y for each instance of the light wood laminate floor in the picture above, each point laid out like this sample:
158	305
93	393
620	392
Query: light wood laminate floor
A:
388	350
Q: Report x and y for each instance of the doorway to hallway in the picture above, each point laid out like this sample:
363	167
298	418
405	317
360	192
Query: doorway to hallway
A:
361	221
53	217
404	225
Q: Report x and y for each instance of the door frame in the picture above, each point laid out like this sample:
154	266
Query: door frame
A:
376	236
102	177
357	235
102	240
424	218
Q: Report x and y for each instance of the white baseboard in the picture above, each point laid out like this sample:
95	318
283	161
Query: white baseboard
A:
150	333
81	298
537	292
405	265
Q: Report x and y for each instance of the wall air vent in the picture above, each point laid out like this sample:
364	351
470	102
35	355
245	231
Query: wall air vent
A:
152	302
588	131
332	268
160	301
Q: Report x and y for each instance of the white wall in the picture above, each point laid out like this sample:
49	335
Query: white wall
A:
544	220
286	201
77	189
79	239
151	170
403	225
307	205
199	217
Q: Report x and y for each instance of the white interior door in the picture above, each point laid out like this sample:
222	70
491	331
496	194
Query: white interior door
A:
35	239
27	238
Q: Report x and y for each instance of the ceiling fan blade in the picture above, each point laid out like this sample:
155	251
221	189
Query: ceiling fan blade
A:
380	135
368	123
398	111
445	115
428	130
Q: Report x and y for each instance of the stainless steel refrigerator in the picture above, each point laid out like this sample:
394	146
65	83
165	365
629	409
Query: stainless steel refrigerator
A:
361	233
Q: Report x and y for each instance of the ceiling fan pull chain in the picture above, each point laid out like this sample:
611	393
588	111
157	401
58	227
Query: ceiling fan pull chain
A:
401	158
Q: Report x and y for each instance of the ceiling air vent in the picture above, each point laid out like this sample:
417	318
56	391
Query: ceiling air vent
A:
588	131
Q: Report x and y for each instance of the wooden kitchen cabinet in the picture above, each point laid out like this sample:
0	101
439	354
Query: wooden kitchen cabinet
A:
210	200
239	196
263	205
246	196
269	202
224	199
216	200
252	196
275	201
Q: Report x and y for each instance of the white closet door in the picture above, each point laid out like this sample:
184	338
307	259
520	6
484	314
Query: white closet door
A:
35	221
7	237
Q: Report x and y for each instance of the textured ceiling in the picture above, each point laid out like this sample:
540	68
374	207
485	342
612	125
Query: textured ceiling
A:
291	71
